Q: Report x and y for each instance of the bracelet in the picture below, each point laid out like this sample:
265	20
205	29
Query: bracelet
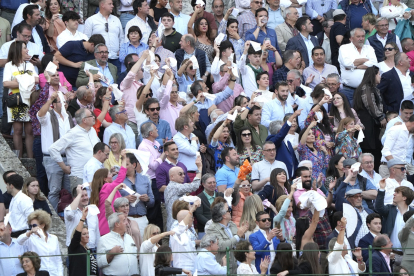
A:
82	220
195	101
248	108
233	80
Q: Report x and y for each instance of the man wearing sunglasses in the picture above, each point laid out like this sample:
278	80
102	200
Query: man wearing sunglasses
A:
393	212
247	19
152	109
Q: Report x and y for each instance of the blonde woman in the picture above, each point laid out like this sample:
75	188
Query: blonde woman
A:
393	11
152	235
346	143
32	190
39	240
117	144
284	219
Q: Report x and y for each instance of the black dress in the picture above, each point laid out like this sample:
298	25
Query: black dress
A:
161	270
276	268
77	263
158	13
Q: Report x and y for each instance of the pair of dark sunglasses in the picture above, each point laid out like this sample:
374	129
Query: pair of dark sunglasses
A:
155	108
158	148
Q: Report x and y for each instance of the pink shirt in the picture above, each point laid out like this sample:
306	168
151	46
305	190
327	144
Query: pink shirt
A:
129	87
218	87
296	196
387	259
169	112
103	195
62	79
155	160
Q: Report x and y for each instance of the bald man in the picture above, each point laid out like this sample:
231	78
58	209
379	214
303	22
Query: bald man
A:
185	260
177	188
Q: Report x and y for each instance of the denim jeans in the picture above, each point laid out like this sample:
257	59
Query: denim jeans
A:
40	169
57	179
124	18
349	93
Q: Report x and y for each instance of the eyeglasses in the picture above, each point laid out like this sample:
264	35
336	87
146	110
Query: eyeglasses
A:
89	116
246	134
32	226
113	143
155	108
270	150
103	52
246	185
174	92
149	95
180	174
27	36
401	168
264	220
368	162
159	149
221	6
289	81
258	2
106	27
123	111
389	49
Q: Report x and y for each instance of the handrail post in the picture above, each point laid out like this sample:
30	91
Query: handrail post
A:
370	259
228	260
88	262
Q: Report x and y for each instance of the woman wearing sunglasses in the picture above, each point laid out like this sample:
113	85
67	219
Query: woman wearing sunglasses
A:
186	75
247	148
390	50
219	139
245	191
39	240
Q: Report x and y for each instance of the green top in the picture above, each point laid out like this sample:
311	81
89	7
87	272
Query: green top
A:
374	31
209	197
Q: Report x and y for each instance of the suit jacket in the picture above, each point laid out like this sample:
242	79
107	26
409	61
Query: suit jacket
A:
203	213
365	242
259	242
406	238
283	34
379	264
297	43
83	79
391	91
284	153
225	241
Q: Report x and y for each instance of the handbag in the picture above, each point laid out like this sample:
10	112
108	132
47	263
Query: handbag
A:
13	100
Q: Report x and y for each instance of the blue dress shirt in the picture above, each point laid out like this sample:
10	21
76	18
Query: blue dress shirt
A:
164	130
107	73
11	267
219	98
270	33
206	264
226	176
188	150
142	186
273	110
127	48
275	18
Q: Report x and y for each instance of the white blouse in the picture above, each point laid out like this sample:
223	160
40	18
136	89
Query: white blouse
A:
146	261
393	13
244	269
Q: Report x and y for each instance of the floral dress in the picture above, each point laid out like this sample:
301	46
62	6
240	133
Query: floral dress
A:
347	145
319	161
218	147
256	156
320	137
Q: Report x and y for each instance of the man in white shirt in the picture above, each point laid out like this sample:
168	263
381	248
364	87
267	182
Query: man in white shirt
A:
53	125
71	32
119	125
367	165
406	110
78	144
115	242
354	58
73	213
398	144
21	206
249	71
261	170
180	19
187	143
100	154
142	20
9	250
277	108
397	171
109	27
18	17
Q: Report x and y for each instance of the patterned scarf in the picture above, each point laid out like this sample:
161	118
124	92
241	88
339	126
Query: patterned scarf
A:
294	31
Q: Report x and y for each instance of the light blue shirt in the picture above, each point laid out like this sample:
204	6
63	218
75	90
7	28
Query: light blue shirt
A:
184	82
226	176
107	73
319	7
309	47
206	264
375	180
306	106
127	133
208	64
11	267
188	150
181	22
275	18
219	98
127	48
390	124
273	111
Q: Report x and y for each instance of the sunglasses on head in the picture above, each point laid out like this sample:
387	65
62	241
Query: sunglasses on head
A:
32	226
264	220
155	108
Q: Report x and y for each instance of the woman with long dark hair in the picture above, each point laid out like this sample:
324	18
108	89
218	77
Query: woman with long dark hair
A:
247	148
32	190
54	23
305	231
202	33
335	168
284	259
341	109
279	185
219	139
368	105
162	263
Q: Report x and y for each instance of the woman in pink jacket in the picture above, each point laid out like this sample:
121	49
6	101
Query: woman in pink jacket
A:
102	186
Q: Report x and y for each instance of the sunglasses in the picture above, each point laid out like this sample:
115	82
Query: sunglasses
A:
389	49
106	27
258	2
264	220
191	67
181	174
229	210
246	134
155	108
149	95
246	185
32	226
158	148
401	168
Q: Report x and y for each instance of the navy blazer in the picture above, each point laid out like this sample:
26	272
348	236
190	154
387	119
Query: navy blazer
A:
379	264
284	153
365	242
259	242
297	43
391	91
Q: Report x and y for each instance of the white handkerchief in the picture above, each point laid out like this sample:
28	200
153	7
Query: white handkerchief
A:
200	2
235	70
154	66
327	93
189	199
117	93
256	46
235	12
231	57
209	96
229	199
361	136
219	39
51	68
89	67
93	210
350	215
6	219
301	2
143	158
243	109
152	57
298	182
195	273
285	3
128	190
198	154
173	62
195	62
160	30
136	201
165	67
85	185
232	117
62	100
41	234
355	167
